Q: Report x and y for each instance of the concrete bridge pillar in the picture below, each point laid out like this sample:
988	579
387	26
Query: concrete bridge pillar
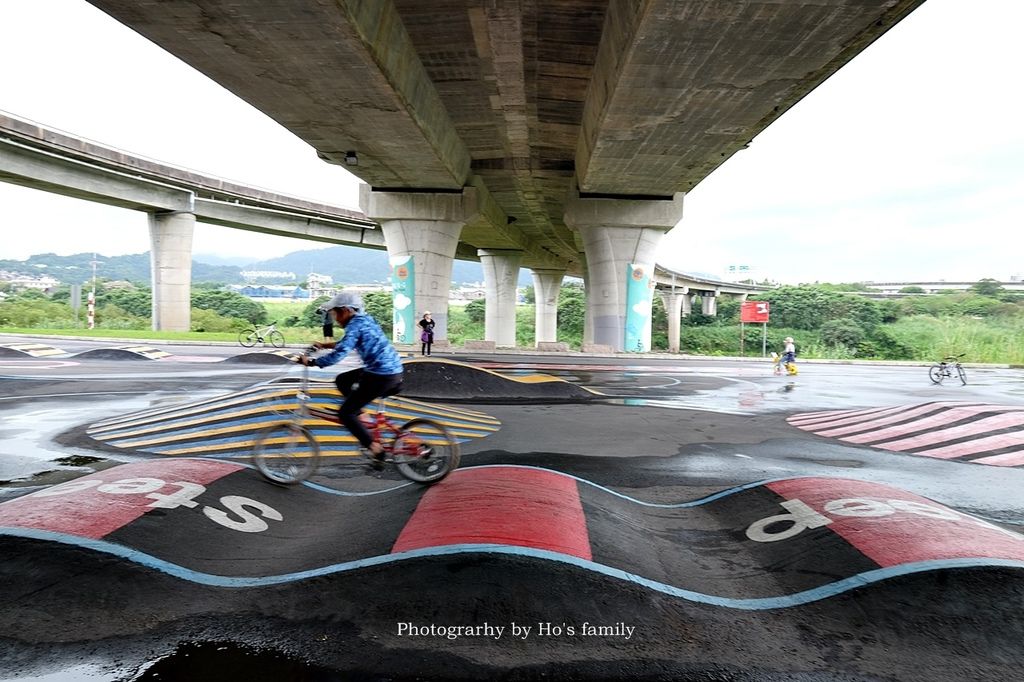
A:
687	304
421	232
547	284
709	302
588	320
501	274
673	301
170	253
620	239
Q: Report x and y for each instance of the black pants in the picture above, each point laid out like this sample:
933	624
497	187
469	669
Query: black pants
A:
359	388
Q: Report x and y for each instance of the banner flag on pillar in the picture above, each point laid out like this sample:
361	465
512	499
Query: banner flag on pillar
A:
403	297
639	293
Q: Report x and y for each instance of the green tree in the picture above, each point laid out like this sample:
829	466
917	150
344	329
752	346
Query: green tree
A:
311	316
842	332
987	287
728	310
113	316
204	320
912	290
978	306
380	306
529	295
572	307
476	310
32	312
229	304
809	306
134	300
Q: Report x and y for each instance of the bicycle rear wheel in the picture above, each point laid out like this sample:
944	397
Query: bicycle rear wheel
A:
424	451
277	339
247	338
286	453
963	375
936	374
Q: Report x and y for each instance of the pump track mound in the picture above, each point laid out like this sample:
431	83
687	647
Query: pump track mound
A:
829	577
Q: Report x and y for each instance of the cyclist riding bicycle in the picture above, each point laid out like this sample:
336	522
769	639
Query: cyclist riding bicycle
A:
380	375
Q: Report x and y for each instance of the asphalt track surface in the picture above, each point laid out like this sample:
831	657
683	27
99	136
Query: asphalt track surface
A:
699	520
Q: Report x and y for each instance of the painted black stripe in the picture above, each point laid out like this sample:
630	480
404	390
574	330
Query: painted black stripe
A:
317	530
706	548
910	421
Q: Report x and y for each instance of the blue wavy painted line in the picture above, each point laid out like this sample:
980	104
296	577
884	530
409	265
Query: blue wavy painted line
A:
677	505
754	604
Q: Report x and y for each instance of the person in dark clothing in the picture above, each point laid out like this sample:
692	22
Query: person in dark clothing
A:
328	323
427	335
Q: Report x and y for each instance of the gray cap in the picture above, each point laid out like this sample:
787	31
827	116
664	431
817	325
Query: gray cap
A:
345	300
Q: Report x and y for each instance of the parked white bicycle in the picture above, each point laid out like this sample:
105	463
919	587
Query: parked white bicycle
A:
269	334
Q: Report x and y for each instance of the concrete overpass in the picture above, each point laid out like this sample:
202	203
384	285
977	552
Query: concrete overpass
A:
559	136
896	288
46	159
42	158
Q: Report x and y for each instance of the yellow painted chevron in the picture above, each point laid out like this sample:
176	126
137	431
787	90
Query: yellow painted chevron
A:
227	425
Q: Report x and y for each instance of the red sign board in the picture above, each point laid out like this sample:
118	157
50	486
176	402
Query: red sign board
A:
754	311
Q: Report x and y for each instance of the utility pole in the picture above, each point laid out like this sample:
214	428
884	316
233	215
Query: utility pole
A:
92	294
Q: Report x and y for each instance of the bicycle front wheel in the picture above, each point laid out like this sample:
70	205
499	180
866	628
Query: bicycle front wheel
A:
286	453
936	374
424	451
963	375
277	339
247	338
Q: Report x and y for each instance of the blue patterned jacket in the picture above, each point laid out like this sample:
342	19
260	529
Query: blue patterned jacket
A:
363	334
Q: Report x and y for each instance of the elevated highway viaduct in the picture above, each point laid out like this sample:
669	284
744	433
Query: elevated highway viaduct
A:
559	136
174	198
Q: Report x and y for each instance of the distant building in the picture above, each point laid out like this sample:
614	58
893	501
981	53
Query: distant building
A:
465	294
320	285
253	275
264	292
44	283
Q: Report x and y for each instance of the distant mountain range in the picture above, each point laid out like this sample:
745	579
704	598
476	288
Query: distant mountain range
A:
346	264
77	268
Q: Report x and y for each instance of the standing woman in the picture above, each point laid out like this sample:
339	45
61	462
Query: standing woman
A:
427	335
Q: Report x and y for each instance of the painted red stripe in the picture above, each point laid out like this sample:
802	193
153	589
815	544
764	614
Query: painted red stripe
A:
902	415
1007	459
973	447
82	506
978	428
840	417
500	505
934	421
922	530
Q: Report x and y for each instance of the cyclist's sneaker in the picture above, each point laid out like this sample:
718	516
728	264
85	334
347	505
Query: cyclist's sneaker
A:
376	462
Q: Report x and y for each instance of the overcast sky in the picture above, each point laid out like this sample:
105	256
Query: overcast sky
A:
907	164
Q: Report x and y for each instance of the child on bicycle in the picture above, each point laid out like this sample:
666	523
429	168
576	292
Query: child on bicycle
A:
789	355
381	373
